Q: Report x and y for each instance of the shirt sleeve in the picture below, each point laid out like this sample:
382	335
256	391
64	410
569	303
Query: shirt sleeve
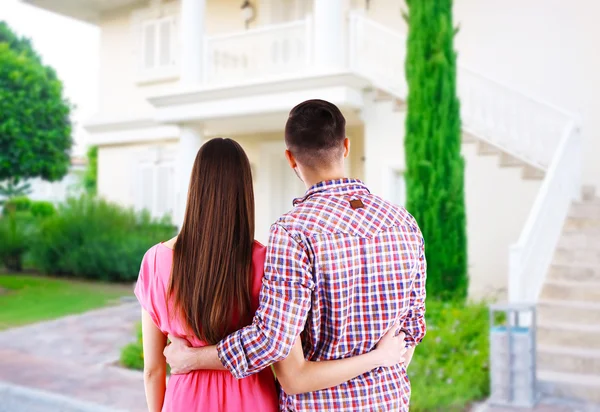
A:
144	287
414	322
285	300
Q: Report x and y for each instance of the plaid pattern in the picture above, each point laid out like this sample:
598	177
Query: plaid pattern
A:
341	277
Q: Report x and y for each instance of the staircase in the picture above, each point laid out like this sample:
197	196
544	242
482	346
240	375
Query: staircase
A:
569	309
556	261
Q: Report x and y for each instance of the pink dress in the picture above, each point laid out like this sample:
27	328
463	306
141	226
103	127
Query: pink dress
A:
212	391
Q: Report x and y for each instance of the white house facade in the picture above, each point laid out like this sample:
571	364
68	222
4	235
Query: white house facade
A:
176	73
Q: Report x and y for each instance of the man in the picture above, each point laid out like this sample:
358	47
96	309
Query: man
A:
341	268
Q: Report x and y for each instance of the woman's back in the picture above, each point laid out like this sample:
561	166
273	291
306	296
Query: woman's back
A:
202	390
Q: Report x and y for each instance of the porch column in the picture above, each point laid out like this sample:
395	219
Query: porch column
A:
329	26
190	140
192	40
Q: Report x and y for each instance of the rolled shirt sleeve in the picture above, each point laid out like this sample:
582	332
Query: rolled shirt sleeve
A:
285	300
414	323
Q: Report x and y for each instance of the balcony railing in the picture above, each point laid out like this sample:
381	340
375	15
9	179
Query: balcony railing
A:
276	51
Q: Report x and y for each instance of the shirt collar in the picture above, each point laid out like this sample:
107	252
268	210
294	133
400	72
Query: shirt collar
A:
338	187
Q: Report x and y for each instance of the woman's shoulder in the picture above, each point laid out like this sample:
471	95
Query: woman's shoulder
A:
258	249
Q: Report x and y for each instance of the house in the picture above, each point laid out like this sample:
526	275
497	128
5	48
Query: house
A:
69	185
175	73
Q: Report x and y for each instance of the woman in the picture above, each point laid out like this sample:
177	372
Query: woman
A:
205	284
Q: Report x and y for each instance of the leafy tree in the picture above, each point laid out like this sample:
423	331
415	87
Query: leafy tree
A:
35	127
435	167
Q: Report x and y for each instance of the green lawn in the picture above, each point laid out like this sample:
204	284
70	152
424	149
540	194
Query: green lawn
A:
27	299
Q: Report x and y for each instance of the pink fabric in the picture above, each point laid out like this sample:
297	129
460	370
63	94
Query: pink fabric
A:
214	391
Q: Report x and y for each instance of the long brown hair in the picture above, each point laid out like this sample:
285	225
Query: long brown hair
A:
210	282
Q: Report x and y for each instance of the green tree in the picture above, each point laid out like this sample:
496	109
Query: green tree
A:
435	167
35	125
90	179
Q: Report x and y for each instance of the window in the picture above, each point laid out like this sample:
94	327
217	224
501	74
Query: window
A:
155	188
158	57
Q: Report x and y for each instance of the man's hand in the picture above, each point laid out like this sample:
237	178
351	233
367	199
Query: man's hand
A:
180	356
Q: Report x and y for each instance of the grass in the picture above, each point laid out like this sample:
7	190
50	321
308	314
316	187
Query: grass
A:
27	299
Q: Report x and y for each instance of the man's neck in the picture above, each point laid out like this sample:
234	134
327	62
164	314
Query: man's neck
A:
315	178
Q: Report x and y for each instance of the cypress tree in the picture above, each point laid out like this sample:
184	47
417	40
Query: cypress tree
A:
435	167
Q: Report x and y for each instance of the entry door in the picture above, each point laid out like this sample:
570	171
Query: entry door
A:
280	186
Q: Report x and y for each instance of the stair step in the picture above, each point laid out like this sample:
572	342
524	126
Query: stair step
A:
565	311
575	240
569	385
574	271
582	225
568	360
532	173
591	256
572	291
486	149
568	334
589	209
507	160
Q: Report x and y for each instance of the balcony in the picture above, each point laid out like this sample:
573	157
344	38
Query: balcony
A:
265	54
270	68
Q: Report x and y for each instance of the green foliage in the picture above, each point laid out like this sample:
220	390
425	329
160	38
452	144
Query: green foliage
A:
28	299
15	237
42	209
435	167
90	179
19	223
92	238
17	204
35	128
449	370
132	355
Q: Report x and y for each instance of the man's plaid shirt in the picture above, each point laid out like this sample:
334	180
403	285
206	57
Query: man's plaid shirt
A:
340	273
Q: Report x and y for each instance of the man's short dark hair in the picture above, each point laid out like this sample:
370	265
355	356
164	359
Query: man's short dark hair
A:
315	133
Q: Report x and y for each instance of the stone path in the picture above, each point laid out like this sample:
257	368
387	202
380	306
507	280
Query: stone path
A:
74	357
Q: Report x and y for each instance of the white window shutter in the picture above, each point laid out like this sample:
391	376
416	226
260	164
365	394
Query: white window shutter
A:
149	41
165	49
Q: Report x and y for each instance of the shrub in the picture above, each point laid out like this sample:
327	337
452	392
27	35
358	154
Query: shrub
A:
17	204
95	239
450	369
132	355
15	239
42	209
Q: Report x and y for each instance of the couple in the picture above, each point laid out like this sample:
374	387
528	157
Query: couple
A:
323	303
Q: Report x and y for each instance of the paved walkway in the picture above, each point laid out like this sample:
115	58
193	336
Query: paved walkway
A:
74	357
